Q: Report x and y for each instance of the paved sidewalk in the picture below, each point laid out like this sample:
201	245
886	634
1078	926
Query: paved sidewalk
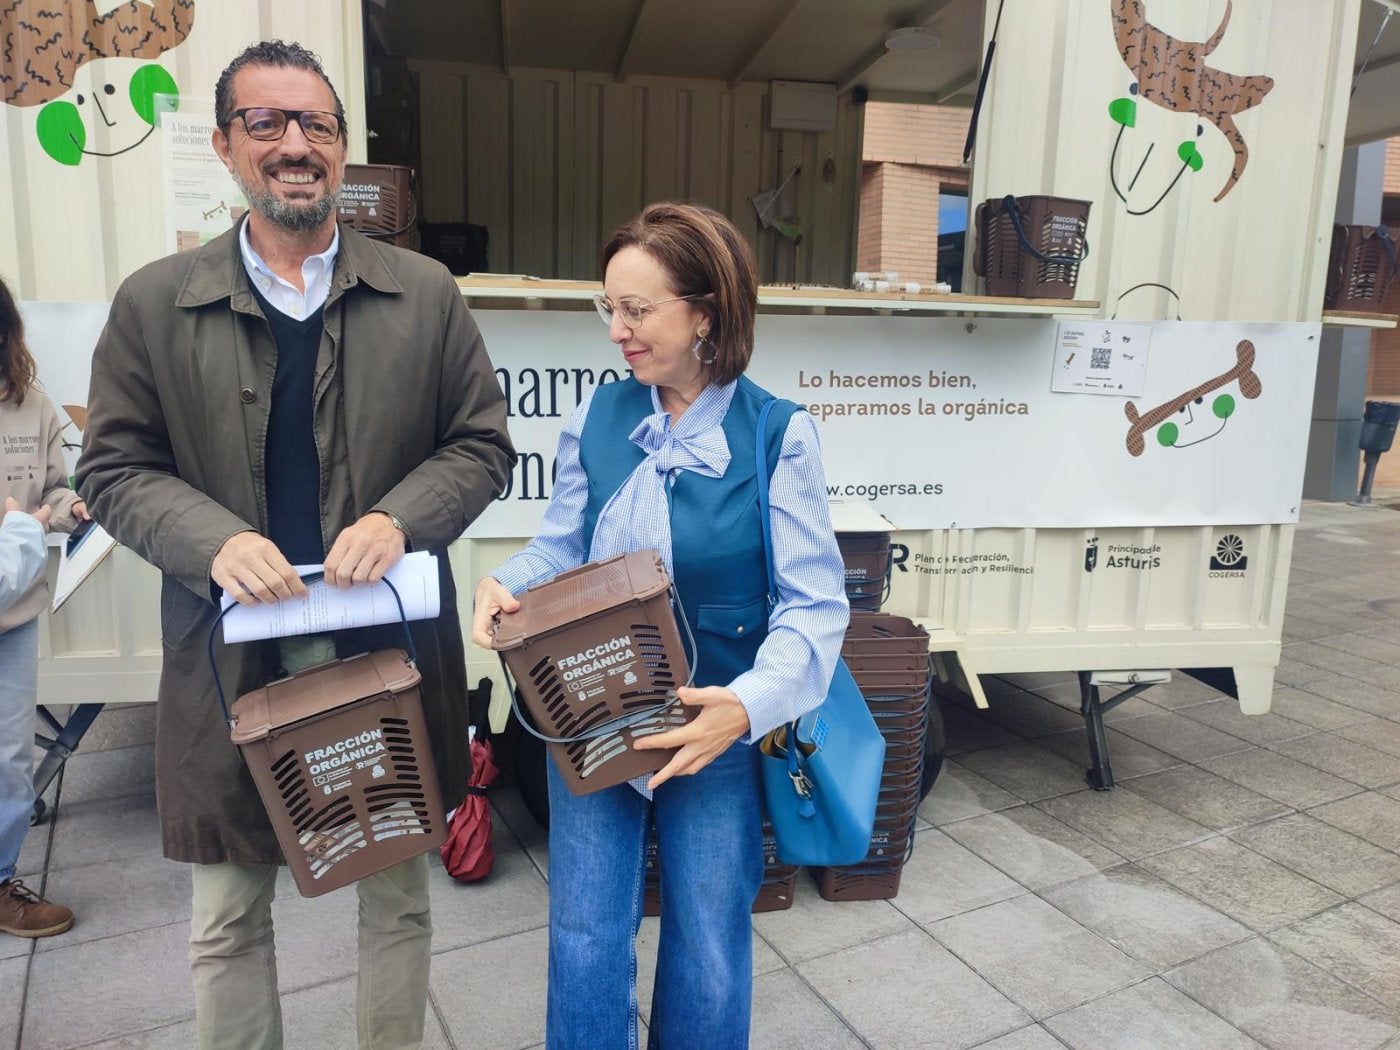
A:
1240	887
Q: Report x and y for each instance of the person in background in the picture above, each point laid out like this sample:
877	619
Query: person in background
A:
665	460
291	393
34	486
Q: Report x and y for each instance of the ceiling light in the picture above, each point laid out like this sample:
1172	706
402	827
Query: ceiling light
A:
911	38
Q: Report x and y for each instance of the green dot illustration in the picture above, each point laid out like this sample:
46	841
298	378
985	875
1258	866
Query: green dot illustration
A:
1190	155
1167	434
1223	406
61	132
148	82
1123	111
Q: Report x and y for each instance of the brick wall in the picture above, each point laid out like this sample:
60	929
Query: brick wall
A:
1392	165
904	134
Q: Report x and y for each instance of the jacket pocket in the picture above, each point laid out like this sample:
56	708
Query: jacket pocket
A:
733	621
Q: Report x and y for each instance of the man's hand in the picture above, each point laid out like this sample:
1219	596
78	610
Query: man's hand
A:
80	511
42	515
364	551
721	721
251	569
491	599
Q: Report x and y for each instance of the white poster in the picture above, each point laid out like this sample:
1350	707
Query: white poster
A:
201	199
934	425
1101	357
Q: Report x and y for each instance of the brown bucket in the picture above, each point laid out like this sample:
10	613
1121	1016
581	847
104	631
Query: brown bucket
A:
598	657
1031	247
1362	269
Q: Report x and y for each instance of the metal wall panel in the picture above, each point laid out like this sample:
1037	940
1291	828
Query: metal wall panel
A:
74	232
1259	253
553	161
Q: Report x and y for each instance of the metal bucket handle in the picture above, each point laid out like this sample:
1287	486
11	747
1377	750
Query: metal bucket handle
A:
621	722
1013	210
310	577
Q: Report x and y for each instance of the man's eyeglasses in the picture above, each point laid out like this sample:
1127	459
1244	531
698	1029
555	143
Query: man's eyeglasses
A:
269	125
632	310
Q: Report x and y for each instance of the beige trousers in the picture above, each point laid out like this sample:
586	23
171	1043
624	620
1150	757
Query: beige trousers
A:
234	965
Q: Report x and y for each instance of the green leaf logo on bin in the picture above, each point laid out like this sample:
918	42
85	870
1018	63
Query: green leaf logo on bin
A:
1198	414
111	106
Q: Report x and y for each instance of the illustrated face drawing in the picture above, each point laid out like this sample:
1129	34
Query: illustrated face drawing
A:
1173	74
1195	416
108	107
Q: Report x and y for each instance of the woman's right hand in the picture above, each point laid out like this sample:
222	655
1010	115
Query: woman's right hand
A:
491	599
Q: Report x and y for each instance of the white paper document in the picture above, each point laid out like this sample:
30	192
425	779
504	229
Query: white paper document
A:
81	553
327	608
1101	357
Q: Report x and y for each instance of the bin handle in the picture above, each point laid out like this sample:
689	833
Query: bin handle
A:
613	725
1013	210
1382	234
310	577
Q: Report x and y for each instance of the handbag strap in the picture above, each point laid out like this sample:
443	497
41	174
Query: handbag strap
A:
800	782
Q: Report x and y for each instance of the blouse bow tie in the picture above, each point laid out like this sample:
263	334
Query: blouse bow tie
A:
704	451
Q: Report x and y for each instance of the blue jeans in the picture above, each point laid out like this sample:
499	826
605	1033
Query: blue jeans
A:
19	686
709	827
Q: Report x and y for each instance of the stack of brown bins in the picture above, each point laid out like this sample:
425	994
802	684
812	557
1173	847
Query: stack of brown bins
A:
775	893
888	657
867	559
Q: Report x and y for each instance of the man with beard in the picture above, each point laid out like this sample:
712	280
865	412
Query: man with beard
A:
290	393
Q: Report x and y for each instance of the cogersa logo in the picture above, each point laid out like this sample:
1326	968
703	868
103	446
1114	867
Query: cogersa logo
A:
1229	560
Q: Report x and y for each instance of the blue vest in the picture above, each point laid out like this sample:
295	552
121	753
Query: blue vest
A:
716	538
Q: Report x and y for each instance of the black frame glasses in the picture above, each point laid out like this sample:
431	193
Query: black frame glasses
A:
634	310
317	125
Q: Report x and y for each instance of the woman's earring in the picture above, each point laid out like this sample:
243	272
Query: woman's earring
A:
702	339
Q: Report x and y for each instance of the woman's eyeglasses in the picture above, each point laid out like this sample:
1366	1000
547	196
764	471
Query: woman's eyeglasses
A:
269	125
632	310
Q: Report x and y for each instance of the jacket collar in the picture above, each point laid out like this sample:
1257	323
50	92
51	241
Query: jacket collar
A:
216	270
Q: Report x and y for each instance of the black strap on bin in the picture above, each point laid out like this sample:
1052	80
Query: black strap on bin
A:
309	578
612	725
1013	209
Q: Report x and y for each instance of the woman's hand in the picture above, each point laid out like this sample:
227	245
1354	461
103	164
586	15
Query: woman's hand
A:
491	599
721	721
80	511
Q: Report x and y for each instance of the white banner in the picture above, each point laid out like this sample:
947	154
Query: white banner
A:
937	422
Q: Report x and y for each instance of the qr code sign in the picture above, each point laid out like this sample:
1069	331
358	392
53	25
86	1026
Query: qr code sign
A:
1100	358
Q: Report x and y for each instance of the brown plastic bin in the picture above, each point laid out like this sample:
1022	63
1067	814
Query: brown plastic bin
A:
1362	269
341	760
871	884
1031	247
874	633
592	646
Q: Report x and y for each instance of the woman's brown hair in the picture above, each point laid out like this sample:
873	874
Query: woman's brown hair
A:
16	363
703	254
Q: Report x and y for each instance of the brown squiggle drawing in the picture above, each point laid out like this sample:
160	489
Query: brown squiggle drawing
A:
1250	387
1173	74
43	42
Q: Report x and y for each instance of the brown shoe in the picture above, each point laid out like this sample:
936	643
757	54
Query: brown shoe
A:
25	914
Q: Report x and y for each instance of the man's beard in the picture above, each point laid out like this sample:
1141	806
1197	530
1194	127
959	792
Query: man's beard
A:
298	217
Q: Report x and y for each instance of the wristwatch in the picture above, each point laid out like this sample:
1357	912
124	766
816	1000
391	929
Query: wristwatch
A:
397	522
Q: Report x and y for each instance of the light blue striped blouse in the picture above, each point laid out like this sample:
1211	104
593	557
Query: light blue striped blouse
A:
805	628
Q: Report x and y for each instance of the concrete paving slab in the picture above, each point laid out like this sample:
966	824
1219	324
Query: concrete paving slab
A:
1376	698
1126	823
1382	735
960	793
944	879
492	995
1032	847
34	852
1205	798
100	989
1353	943
1279	777
1386	901
1323	853
1032	1037
1036	955
1031	716
1225	715
1145	917
507	803
908	992
1343	758
1129	758
1150	1014
1027	770
1378	649
512	899
109	774
1247	887
813	927
1313	710
1283	1001
1180	737
1373	816
12	978
105	829
121	896
973	730
789	1015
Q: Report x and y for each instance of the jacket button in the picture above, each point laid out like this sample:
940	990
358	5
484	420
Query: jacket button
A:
739	629
247	396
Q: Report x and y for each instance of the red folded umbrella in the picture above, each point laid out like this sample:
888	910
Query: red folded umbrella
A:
466	853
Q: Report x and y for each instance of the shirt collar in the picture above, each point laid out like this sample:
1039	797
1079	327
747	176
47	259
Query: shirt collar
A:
254	262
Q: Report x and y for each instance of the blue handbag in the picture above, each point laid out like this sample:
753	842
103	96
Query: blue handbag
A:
821	773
